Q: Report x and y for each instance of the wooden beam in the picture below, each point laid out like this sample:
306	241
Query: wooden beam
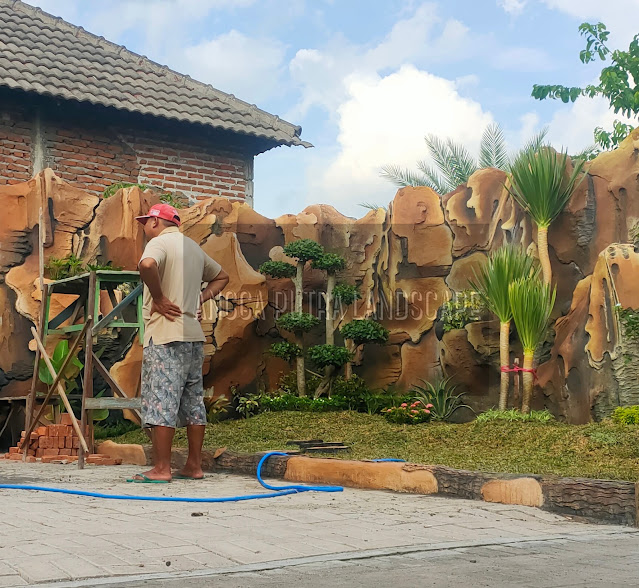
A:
34	382
34	422
61	391
113	403
104	322
87	383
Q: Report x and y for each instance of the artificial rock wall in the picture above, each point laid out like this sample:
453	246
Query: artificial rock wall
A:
406	261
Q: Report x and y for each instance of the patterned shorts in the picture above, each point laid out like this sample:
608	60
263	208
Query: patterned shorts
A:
172	392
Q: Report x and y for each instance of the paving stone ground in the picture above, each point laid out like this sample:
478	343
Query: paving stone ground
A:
50	537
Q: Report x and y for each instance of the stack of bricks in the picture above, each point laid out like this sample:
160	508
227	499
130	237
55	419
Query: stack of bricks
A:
56	444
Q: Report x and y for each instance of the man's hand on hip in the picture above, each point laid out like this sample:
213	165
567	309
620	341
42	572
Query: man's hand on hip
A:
166	308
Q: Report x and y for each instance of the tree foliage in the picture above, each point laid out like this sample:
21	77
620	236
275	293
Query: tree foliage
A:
454	164
278	269
329	355
297	322
304	250
285	350
618	82
346	293
362	331
330	262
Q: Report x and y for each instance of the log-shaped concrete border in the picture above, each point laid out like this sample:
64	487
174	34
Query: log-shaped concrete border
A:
607	501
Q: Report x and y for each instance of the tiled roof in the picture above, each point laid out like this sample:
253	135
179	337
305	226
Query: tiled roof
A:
44	54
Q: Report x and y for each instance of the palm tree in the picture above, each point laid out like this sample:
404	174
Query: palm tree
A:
454	164
532	302
541	183
491	282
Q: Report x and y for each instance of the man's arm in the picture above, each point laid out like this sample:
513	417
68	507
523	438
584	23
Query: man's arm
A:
215	286
151	277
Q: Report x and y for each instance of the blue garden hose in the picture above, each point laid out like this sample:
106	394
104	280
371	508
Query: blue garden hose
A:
279	490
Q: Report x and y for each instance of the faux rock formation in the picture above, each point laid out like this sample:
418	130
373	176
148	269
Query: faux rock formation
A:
406	261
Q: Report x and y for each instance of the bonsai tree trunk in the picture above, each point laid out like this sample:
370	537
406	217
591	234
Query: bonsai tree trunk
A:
326	385
300	368
504	360
528	381
330	328
299	361
544	257
348	369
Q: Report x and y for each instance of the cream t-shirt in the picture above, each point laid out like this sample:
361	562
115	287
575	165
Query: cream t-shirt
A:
183	266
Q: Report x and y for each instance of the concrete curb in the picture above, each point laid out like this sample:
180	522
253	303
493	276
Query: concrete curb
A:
607	501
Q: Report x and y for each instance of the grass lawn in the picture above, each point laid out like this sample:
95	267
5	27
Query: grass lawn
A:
598	450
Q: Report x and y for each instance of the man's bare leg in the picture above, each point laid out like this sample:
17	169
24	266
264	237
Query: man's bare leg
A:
193	466
162	438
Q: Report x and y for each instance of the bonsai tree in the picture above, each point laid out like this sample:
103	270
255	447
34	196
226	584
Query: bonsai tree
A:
542	184
532	302
359	332
303	250
491	283
298	323
331	263
331	359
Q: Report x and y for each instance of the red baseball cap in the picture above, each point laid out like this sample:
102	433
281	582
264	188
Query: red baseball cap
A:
163	211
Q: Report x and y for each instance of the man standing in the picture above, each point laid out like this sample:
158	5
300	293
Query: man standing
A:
173	268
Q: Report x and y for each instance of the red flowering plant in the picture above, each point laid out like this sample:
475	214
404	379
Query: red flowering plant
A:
411	414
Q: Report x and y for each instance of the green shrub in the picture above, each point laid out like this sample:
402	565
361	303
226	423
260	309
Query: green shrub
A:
346	294
514	415
626	415
301	404
409	414
330	262
629	320
304	250
362	331
113	188
285	350
445	403
297	322
278	269
329	355
465	308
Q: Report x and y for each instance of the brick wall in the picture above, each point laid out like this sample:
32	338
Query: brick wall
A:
91	160
96	156
15	147
192	171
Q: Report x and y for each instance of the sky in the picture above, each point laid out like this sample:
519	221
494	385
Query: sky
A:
368	79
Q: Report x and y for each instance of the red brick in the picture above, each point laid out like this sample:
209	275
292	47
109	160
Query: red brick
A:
76	443
13	450
65	419
68	442
41	431
48	452
65	451
39	452
61	442
16	457
31	459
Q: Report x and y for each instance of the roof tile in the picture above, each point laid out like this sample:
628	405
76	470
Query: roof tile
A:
76	65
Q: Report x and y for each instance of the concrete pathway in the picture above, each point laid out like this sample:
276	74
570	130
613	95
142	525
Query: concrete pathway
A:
47	537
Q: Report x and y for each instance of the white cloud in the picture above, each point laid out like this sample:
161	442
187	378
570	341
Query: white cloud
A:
522	59
620	16
384	120
572	126
247	67
512	7
424	37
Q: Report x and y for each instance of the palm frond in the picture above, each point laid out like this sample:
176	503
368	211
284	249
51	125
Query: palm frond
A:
403	177
541	184
587	153
532	302
436	182
492	279
535	143
461	164
492	149
372	206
